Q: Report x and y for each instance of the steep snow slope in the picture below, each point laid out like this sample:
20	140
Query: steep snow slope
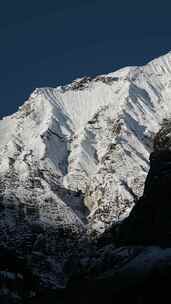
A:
78	154
93	135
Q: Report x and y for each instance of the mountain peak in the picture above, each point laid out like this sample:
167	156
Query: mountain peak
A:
74	158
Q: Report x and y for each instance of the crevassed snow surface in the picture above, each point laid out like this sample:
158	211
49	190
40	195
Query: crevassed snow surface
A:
86	143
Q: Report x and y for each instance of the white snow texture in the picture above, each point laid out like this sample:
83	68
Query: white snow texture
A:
86	143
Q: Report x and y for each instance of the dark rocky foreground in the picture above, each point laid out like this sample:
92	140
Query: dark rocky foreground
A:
137	274
45	263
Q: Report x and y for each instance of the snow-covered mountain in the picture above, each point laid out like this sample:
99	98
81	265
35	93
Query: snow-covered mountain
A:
77	155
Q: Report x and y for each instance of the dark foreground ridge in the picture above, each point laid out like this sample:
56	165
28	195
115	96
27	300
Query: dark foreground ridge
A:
139	268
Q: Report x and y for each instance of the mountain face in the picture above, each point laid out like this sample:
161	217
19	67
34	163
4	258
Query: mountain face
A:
73	160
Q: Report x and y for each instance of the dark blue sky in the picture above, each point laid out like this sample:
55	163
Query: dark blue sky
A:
47	43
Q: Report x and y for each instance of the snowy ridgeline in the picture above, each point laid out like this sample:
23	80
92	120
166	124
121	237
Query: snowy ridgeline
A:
80	152
73	160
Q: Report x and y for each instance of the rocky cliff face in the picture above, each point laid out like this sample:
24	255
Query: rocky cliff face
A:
74	159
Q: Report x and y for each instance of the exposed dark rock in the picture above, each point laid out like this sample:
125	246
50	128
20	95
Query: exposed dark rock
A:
149	222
